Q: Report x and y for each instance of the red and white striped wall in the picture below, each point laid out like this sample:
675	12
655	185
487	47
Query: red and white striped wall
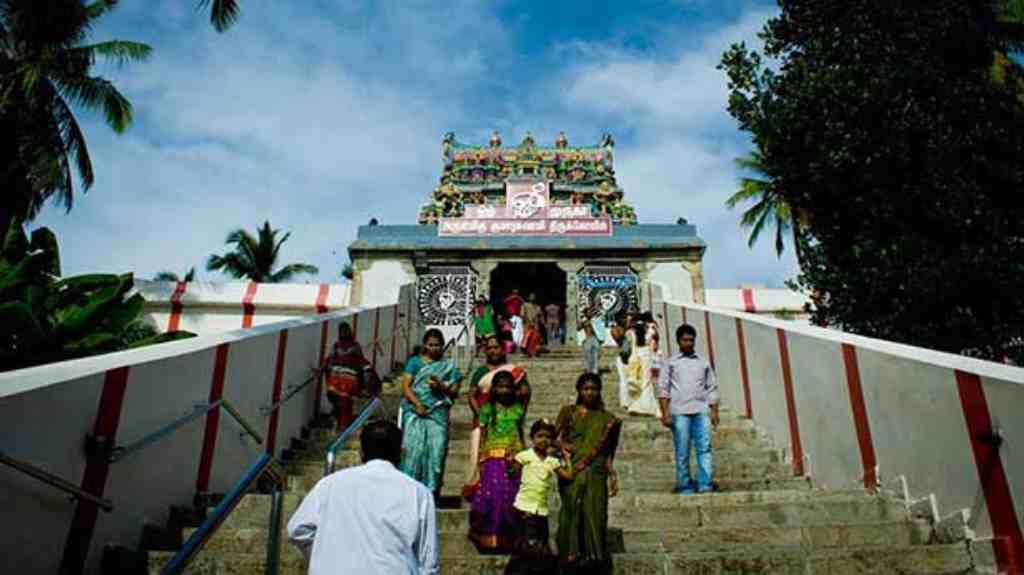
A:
207	307
47	412
757	300
852	410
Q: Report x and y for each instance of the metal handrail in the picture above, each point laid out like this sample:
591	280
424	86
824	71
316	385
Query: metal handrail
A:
332	449
119	453
292	392
54	481
265	465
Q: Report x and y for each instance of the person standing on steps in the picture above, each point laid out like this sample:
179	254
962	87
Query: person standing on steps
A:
493	523
537	470
642	364
430	383
688	395
591	435
480	383
483	321
625	351
370	519
346	375
591	349
553	323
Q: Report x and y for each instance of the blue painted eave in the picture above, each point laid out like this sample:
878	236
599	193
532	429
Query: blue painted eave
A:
424	237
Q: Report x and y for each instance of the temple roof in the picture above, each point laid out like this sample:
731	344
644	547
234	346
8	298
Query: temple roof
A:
476	175
646	237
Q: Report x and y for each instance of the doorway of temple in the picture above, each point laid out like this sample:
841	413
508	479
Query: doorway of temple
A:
545	280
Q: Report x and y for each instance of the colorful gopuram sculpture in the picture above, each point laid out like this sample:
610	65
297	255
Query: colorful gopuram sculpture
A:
476	175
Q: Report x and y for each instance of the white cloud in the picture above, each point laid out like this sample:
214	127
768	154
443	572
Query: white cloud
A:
319	119
678	158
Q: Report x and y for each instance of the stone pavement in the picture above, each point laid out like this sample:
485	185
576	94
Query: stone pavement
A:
763	519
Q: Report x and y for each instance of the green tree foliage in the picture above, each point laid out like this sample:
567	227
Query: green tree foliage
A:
223	13
769	206
348	272
46	71
46	318
167	276
881	122
254	257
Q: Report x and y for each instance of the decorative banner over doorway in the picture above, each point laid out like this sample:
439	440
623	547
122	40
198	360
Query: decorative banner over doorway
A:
610	290
527	212
445	295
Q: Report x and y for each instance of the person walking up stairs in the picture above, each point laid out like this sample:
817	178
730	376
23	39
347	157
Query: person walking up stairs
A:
760	519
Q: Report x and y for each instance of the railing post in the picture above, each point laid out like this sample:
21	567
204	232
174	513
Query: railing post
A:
274	537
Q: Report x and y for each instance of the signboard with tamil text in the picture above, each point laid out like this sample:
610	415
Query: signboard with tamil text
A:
527	212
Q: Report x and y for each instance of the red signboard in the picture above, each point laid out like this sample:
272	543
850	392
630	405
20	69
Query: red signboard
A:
527	212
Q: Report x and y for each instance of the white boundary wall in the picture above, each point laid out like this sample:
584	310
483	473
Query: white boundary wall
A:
46	412
851	403
214	307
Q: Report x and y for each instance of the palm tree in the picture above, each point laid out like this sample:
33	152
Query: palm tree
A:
45	71
769	206
166	276
254	257
223	13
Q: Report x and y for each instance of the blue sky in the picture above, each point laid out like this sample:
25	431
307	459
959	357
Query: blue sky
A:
321	114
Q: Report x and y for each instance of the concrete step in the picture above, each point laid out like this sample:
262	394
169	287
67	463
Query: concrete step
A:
459	450
909	560
673	512
827	511
634	429
905	560
693	540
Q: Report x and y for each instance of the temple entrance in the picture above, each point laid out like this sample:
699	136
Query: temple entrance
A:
545	280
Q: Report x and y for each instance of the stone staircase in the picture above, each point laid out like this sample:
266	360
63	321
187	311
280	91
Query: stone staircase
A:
763	520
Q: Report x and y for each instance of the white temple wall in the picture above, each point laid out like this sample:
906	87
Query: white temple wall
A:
843	406
47	411
675	281
213	307
380	282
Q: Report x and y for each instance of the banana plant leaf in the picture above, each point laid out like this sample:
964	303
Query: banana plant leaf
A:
91	344
163	338
123	314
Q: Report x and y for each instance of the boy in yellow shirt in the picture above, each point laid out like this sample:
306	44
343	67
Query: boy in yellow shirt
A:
532	553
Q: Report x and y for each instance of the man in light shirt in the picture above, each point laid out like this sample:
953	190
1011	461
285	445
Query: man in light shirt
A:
371	519
688	395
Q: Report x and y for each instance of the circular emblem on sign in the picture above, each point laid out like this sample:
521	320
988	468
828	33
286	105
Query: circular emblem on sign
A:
526	204
445	299
608	301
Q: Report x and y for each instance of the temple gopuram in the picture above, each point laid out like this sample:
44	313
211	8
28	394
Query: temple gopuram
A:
548	221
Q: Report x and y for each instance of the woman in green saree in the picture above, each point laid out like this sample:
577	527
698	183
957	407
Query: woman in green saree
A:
429	385
591	434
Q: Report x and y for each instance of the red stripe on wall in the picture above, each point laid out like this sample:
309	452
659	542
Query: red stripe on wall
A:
220	367
248	309
1008	542
744	374
355	326
748	300
275	396
650	298
97	467
711	346
684	314
408	328
320	379
175	319
860	416
321	298
376	334
794	423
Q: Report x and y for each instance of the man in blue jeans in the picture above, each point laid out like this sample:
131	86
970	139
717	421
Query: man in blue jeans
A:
688	396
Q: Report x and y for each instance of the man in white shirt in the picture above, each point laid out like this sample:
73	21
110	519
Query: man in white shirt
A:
371	519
